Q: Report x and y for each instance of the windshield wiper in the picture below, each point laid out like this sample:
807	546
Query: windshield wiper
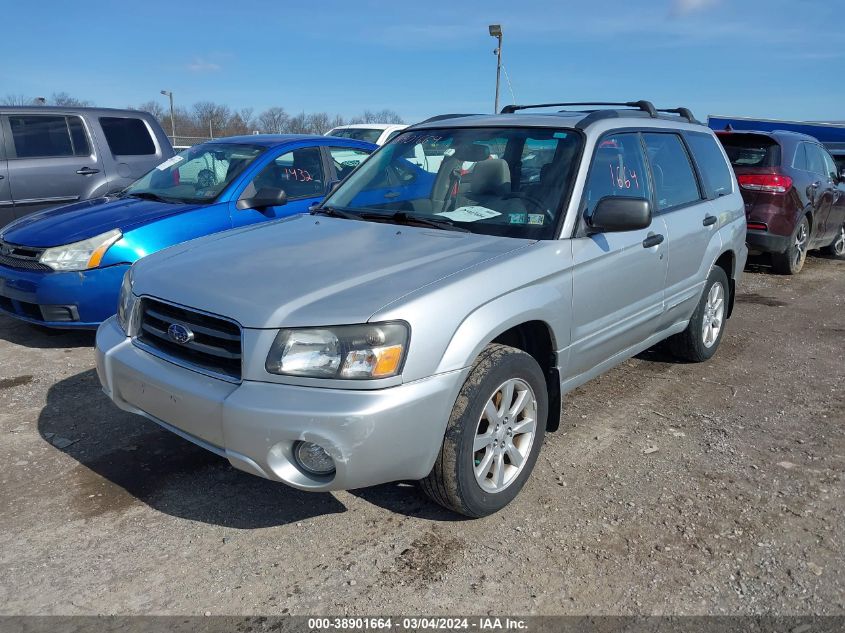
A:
400	217
335	212
149	195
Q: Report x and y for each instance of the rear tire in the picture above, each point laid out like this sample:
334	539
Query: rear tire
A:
837	247
707	325
792	261
494	434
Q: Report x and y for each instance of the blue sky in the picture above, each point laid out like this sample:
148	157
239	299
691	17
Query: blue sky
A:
773	58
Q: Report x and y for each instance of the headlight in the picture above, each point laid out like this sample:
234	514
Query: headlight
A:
351	351
80	255
126	304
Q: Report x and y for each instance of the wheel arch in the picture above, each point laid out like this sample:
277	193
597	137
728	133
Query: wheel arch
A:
727	262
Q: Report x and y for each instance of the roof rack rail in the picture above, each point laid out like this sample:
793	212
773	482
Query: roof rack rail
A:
645	106
441	117
684	112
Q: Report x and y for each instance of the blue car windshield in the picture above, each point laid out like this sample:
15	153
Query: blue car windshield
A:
497	181
197	175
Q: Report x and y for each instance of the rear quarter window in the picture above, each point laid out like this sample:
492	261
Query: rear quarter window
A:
127	136
711	164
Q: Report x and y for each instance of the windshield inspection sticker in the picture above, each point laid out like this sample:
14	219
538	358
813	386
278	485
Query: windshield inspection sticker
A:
536	218
469	214
169	162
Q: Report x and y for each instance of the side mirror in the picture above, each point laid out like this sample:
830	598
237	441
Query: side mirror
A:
263	198
614	214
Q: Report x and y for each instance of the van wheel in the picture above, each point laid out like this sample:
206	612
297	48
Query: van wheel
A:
494	434
704	333
837	248
792	261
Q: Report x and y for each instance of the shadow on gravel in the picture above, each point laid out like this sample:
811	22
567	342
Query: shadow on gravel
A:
36	336
407	499
125	459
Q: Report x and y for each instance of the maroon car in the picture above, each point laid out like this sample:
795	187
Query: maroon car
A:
794	195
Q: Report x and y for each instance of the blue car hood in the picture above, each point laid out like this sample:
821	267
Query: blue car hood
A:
81	220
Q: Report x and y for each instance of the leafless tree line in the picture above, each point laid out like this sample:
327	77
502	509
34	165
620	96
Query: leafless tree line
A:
207	118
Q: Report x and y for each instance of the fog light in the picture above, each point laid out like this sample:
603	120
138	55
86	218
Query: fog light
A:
313	458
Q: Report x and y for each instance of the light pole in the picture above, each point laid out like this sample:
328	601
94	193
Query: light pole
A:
169	93
496	31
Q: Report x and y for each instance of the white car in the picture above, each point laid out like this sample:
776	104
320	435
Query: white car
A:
378	133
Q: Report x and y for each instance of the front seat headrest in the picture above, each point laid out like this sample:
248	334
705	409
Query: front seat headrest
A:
491	177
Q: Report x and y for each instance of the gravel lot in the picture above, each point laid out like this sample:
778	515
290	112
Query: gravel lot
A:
739	510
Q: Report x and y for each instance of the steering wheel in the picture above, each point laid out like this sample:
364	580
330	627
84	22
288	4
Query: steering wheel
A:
539	205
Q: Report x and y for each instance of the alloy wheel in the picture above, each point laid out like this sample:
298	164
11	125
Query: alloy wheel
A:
839	243
714	312
799	252
504	435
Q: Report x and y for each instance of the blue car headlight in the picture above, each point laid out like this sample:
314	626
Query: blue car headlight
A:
80	255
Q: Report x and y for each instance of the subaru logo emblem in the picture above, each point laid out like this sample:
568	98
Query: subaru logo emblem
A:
180	333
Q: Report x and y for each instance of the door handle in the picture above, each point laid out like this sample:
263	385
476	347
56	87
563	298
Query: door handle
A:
710	220
653	239
87	171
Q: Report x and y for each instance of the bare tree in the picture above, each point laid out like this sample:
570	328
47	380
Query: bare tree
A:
318	123
64	99
17	100
298	124
212	117
273	121
382	116
156	109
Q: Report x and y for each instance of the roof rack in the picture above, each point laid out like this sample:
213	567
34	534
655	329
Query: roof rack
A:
441	117
645	106
684	112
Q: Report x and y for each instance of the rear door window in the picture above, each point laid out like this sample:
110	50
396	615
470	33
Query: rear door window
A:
711	163
675	183
815	159
127	136
830	166
48	136
345	159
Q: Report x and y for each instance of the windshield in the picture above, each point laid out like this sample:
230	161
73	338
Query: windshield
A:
358	133
199	174
497	181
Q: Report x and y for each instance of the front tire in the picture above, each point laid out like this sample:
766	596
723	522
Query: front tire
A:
792	261
837	247
494	434
707	325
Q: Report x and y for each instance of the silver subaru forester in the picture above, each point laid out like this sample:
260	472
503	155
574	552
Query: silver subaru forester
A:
425	320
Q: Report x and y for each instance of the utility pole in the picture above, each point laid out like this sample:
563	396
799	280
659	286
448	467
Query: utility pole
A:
169	93
496	31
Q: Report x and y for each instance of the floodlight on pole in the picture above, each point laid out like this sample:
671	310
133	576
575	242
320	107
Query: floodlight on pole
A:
169	93
496	31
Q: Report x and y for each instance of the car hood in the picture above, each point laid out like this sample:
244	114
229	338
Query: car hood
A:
81	220
309	270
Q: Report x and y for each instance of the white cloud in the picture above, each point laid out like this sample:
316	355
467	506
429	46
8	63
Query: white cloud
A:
200	65
685	7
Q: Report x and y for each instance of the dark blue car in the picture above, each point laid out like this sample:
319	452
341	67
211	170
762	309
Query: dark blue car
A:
63	267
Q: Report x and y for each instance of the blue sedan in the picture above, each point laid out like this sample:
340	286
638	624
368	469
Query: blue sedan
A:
63	267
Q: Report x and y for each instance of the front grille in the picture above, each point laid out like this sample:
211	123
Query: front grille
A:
22	257
216	343
23	264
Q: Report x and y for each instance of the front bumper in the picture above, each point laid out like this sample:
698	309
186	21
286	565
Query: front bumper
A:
82	299
374	436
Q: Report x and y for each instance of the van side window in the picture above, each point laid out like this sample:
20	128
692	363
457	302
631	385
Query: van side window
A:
48	136
711	163
618	169
675	183
127	136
